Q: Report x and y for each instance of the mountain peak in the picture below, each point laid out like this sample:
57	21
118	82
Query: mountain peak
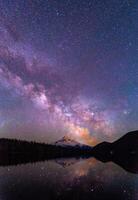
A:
67	141
67	138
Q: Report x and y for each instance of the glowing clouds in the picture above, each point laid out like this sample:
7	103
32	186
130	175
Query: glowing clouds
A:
81	134
80	121
83	120
41	101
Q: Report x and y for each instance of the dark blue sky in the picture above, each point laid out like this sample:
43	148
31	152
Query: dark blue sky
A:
68	67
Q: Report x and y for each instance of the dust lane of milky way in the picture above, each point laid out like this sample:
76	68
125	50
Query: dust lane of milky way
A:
68	67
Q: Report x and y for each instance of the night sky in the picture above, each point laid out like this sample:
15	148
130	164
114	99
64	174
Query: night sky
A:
68	67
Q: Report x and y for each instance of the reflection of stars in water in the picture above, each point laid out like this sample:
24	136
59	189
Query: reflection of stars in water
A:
92	189
100	179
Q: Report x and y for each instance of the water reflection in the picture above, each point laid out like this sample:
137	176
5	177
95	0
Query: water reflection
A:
67	179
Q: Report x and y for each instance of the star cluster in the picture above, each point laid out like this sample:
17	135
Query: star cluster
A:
68	67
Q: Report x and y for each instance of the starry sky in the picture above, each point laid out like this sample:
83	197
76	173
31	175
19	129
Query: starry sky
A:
68	67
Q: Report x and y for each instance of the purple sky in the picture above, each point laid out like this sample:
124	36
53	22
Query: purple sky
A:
68	67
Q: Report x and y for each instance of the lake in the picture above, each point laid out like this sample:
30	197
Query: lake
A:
74	179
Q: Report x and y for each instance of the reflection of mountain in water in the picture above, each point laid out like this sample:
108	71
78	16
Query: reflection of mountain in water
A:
66	162
123	152
16	151
78	167
84	180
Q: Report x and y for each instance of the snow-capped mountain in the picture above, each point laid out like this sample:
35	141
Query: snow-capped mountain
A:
67	141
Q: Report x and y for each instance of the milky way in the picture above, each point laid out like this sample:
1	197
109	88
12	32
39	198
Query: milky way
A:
68	67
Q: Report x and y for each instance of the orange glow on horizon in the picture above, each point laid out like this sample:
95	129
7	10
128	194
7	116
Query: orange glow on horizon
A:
81	134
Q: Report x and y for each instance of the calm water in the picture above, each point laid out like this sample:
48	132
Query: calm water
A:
67	179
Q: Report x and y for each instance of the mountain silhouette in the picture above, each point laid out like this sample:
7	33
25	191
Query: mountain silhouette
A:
66	141
123	151
14	151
